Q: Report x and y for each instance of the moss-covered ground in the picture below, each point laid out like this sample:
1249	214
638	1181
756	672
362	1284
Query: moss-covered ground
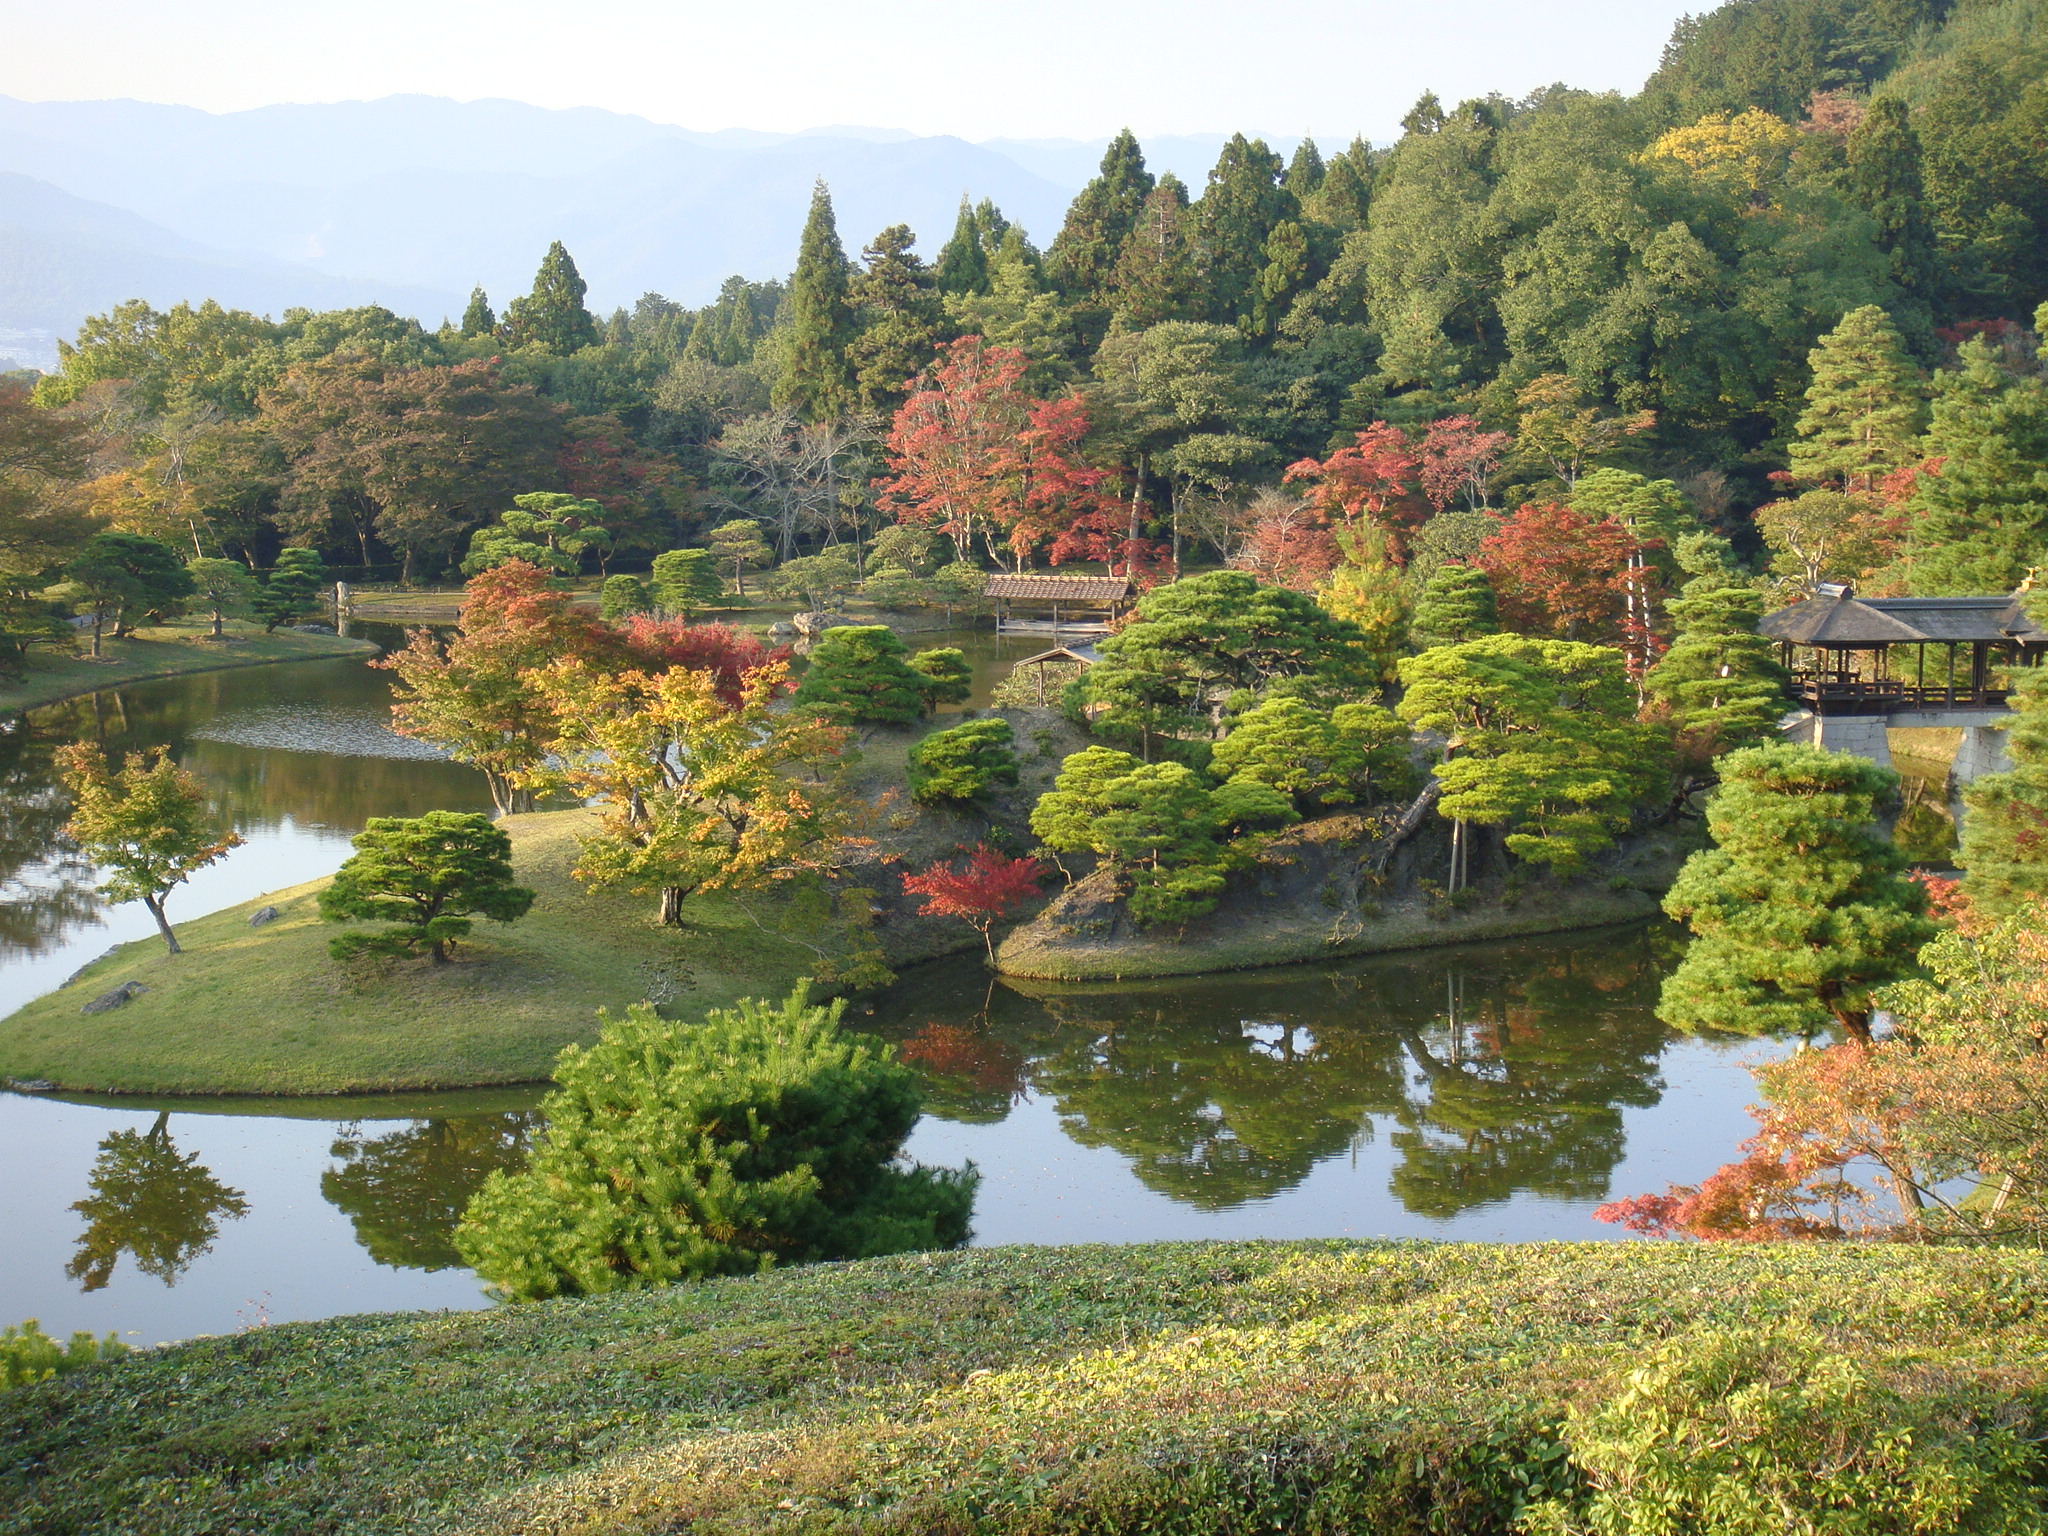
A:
171	651
266	1010
1308	1387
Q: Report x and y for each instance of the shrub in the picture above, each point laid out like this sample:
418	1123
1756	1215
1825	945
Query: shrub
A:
762	1135
684	580
28	1355
963	763
622	596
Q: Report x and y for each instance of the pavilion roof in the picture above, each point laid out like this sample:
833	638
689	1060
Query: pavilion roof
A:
1100	589
1838	618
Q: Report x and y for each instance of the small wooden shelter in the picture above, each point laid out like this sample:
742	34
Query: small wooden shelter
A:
1049	671
1869	656
1057	605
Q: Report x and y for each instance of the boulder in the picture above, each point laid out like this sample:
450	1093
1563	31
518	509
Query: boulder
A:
261	916
106	1002
781	632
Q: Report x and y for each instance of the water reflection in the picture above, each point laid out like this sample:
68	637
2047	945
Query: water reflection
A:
1490	1071
405	1190
46	889
150	1200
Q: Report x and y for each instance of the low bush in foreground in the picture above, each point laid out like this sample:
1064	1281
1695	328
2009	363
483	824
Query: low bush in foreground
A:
27	1354
1233	1387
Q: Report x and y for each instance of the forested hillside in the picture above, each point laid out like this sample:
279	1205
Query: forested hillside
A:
1450	334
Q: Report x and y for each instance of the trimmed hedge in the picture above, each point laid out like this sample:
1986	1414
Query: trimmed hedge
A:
1311	1387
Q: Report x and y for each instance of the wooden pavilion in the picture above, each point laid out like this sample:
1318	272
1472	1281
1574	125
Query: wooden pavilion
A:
1852	655
1057	605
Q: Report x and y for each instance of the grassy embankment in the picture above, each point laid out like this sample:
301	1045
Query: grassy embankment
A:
265	1010
171	651
1322	1386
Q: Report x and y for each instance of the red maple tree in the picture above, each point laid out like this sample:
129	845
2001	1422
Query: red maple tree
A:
1289	545
1375	478
1459	458
1560	574
978	893
656	645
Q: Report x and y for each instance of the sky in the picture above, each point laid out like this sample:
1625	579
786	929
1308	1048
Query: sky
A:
1048	69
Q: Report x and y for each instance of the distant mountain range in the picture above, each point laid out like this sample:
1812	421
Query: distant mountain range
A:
410	200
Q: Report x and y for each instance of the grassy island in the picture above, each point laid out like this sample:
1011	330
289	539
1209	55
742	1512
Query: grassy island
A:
1319	1386
174	650
266	1010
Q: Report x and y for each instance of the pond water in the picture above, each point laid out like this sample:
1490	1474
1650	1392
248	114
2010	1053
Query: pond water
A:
1483	1092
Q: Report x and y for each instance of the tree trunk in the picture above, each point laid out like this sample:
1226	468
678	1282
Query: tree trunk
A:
1137	495
216	623
156	910
672	906
96	623
437	952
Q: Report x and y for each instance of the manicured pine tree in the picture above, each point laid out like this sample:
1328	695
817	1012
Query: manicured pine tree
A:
1721	679
427	876
622	596
900	316
963	763
1802	909
1456	605
740	548
962	267
817	382
1885	180
479	319
1084	253
1981	523
861	675
2005	826
1863	409
291	586
1239	210
552	318
684	580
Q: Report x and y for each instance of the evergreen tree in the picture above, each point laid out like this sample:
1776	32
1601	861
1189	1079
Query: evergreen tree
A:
1456	605
1345	193
1305	171
1885	180
552	318
860	674
816	381
291	586
963	763
962	266
1098	221
1355	754
1242	204
144	578
1158	274
1863	410
1981	521
684	580
762	1134
948	679
900	316
622	596
1801	909
2005	830
1721	679
478	319
426	876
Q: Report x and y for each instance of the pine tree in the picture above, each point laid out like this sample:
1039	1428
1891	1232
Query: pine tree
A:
861	675
684	580
1456	605
1721	679
1801	909
1305	171
427	876
478	319
1885	180
900	315
1098	221
1863	408
962	266
817	383
2005	830
289	589
621	596
1242	204
1981	522
552	317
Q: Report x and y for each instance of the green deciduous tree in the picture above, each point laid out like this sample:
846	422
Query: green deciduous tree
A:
1801	909
1353	754
1456	605
552	318
817	380
761	1135
145	824
1863	409
426	876
964	762
2005	830
224	589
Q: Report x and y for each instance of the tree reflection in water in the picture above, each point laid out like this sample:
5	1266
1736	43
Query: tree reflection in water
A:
46	889
405	1190
1497	1069
150	1200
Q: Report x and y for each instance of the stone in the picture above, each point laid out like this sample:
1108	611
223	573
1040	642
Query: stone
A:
811	625
781	632
261	916
106	1002
44	1085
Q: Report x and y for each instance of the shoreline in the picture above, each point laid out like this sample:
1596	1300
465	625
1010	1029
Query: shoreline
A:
78	677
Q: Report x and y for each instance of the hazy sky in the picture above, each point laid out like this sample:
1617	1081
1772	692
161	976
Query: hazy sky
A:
1046	68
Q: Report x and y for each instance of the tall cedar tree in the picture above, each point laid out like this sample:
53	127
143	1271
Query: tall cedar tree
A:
962	267
478	319
1240	208
1801	910
1863	409
552	317
1980	520
1158	273
1456	605
144	824
1084	253
900	316
1305	171
2005	833
817	382
426	876
763	1134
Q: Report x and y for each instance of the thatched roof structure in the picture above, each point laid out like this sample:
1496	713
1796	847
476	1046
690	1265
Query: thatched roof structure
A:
1837	619
1062	589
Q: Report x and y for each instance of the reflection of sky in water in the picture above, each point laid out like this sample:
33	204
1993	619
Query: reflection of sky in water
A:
337	730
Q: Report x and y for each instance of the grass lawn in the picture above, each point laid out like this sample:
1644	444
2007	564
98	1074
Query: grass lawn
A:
1319	1387
266	1011
171	651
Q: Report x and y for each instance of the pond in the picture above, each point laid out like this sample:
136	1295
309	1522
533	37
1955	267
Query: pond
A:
1483	1092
